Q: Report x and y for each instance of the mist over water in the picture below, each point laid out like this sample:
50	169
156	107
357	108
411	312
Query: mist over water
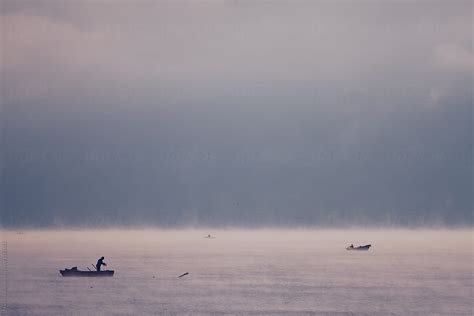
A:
242	272
287	130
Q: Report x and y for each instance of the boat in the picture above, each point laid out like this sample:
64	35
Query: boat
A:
74	272
366	247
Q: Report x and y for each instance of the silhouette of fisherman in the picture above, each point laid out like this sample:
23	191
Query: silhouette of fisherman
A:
100	262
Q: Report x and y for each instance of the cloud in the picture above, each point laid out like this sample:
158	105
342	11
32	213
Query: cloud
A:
454	57
346	108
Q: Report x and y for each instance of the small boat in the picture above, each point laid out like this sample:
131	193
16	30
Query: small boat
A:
366	247
73	272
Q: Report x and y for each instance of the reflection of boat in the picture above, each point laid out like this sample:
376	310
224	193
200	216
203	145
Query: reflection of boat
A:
73	272
366	247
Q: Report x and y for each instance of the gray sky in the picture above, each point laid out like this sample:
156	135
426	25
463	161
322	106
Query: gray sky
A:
248	113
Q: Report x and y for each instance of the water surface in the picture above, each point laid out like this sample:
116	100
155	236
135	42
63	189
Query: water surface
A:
242	272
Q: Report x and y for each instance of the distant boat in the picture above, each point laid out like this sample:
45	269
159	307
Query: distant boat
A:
73	272
366	247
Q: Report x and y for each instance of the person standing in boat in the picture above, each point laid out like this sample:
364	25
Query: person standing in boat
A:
100	263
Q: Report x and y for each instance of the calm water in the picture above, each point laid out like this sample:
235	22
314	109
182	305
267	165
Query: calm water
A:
271	272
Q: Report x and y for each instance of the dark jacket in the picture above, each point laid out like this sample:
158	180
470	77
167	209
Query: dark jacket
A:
100	263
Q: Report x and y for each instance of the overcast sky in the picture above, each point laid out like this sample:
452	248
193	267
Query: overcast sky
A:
247	113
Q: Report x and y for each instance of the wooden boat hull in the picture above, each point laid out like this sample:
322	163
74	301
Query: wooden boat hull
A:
77	273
